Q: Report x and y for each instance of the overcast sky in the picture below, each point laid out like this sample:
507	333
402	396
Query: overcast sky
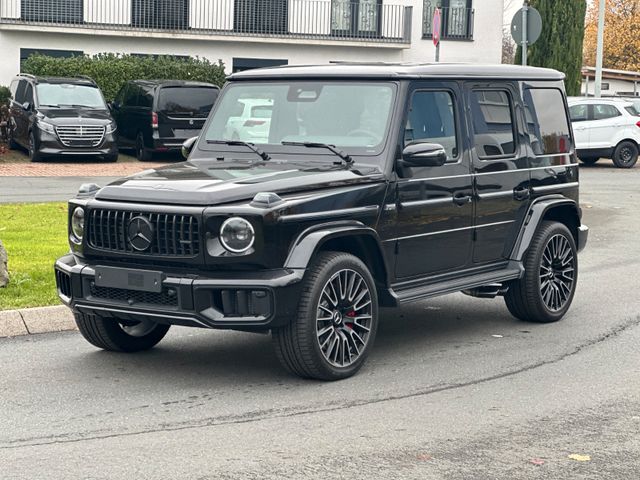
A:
512	6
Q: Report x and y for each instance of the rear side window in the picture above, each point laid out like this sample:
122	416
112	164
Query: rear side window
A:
22	87
191	101
131	95
547	120
493	124
632	110
602	111
432	120
28	94
579	113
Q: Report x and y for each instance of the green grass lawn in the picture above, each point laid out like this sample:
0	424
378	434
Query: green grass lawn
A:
34	235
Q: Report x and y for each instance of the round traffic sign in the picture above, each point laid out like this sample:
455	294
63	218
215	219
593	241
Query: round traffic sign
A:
534	26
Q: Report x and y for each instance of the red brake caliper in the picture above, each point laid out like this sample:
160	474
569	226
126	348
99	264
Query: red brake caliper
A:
350	314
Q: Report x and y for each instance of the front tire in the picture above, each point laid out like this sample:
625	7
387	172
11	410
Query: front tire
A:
545	292
625	154
34	154
111	158
117	336
337	320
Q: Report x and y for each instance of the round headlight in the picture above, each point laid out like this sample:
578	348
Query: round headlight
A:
237	235
77	223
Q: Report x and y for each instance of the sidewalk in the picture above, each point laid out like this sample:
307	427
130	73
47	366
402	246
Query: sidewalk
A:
75	169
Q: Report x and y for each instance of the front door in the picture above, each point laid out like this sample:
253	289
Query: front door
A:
501	168
433	207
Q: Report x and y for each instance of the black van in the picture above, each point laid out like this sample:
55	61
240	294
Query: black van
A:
51	116
159	115
375	185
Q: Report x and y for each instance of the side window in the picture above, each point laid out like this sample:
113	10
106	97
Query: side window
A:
579	113
493	124
432	120
13	88
22	87
131	95
603	111
28	94
547	121
119	98
145	98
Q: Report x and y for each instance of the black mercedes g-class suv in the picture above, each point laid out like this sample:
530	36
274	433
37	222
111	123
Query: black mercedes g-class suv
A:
51	116
377	185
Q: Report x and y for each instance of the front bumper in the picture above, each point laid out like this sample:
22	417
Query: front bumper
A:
583	235
50	145
257	300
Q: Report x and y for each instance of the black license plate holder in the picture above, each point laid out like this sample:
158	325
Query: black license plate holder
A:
130	279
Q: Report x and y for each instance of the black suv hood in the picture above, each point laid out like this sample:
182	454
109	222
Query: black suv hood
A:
76	116
209	183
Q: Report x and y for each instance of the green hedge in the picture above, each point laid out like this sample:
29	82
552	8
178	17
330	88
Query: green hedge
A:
5	94
110	71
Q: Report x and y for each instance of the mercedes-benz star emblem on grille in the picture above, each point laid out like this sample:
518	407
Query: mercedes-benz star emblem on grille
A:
140	233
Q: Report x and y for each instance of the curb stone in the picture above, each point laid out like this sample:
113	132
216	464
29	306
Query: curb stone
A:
29	321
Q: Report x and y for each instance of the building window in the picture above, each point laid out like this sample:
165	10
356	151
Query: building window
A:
261	16
52	11
242	64
27	52
457	19
356	18
160	14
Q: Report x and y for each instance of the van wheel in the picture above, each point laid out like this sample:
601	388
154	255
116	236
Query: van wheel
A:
120	336
34	154
142	153
546	290
626	154
111	158
589	160
337	320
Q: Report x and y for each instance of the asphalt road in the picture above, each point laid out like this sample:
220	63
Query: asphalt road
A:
44	189
455	388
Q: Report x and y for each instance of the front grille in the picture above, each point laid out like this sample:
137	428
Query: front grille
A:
174	235
168	297
80	135
64	283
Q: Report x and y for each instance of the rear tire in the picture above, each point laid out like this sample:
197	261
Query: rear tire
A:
142	153
625	154
110	334
545	292
589	160
337	320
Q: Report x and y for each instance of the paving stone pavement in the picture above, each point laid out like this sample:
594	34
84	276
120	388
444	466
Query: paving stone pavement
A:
74	169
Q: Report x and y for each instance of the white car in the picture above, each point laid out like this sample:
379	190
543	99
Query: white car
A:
606	128
251	121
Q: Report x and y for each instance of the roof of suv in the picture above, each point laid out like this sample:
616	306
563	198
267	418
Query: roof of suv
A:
400	71
74	80
174	83
614	100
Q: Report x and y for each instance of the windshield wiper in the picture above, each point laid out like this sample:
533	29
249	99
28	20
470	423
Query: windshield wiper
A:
344	156
239	143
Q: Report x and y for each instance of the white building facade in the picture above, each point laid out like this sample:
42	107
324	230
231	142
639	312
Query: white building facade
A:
251	33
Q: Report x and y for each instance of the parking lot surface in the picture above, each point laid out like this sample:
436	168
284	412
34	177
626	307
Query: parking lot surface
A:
455	388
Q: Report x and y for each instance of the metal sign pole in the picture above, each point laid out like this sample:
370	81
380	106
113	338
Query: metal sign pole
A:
525	43
438	52
599	50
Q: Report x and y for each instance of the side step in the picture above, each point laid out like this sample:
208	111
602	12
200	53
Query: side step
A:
512	272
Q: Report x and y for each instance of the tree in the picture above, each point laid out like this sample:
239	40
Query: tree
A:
508	46
621	39
560	45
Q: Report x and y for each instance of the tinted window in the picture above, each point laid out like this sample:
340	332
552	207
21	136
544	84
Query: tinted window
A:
22	86
145	97
131	95
28	94
579	113
546	121
492	123
432	120
602	111
633	111
188	100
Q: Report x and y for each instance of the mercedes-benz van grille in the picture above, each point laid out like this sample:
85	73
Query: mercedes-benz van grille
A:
80	135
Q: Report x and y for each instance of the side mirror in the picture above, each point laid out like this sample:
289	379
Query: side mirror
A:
424	155
114	105
187	146
26	106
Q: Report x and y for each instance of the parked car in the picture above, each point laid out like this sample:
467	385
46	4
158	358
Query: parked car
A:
251	121
159	115
52	116
377	185
606	128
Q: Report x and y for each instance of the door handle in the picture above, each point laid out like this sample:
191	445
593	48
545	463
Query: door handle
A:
521	193
461	198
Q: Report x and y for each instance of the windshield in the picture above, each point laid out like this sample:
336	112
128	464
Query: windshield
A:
349	115
187	100
69	95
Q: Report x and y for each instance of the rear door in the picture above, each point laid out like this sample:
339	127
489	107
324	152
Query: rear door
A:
607	121
182	111
500	163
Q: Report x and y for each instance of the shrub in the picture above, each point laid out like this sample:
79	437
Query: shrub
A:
110	71
5	94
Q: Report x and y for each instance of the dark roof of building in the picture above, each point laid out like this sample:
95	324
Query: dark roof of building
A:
400	71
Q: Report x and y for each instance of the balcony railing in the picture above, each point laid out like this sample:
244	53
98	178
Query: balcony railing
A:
363	20
457	23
